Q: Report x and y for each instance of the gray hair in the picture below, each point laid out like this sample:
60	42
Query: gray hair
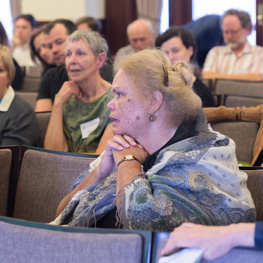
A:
243	17
96	42
148	23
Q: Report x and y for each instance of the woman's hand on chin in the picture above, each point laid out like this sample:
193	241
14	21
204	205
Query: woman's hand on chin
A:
67	90
129	147
118	147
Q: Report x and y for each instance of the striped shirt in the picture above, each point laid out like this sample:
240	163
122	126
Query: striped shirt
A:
223	60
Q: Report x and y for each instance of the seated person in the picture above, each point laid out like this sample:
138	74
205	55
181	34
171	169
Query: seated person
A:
56	34
89	23
39	50
18	123
207	33
164	166
141	35
79	120
19	75
254	114
215	241
238	59
179	44
24	27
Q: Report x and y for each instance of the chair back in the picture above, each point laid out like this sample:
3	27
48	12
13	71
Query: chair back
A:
255	186
5	164
44	180
34	242
244	135
29	97
30	84
43	121
240	101
238	87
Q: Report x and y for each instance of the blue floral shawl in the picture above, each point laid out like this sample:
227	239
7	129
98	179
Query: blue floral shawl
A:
194	180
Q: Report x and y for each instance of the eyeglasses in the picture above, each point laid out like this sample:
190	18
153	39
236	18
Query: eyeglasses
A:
232	32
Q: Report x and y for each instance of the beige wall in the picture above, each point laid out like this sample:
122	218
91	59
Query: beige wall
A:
71	9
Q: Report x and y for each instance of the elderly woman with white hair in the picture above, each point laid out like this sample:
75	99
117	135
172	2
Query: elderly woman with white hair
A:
80	118
164	165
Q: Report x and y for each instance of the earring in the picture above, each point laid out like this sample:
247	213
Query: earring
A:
152	117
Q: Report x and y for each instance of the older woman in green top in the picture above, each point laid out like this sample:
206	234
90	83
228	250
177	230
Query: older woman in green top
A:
80	119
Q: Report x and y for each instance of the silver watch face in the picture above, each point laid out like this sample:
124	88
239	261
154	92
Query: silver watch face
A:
129	157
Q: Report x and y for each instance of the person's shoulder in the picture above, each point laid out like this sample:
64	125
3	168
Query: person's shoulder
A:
126	50
20	105
56	70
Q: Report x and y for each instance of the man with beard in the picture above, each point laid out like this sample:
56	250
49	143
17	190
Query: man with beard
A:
237	59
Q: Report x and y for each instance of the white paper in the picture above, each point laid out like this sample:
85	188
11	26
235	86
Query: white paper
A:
186	255
88	127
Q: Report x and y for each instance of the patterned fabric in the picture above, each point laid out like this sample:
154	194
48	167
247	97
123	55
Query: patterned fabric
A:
194	180
77	113
223	60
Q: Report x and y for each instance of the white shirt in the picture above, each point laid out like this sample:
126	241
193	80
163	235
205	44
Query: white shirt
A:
223	60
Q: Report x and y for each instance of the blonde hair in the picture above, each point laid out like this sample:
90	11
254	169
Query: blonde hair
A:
5	56
151	70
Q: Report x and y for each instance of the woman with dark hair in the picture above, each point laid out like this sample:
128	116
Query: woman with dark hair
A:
179	44
39	51
19	76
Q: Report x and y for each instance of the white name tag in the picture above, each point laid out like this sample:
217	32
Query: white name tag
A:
88	127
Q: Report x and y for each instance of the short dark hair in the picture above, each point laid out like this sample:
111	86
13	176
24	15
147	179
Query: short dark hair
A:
28	18
185	35
243	17
68	24
93	23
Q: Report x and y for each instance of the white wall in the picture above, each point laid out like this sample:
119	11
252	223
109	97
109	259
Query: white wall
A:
46	10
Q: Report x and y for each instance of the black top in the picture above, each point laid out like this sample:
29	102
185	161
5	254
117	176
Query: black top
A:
53	79
204	93
19	77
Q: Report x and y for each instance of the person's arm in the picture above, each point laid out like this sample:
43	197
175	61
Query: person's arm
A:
243	76
215	241
55	138
107	135
103	169
43	105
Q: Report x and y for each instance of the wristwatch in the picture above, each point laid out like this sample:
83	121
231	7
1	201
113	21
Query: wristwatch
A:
128	157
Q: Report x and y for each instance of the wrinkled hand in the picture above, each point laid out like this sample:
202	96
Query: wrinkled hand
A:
118	147
67	90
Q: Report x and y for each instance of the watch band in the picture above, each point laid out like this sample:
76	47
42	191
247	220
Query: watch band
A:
128	157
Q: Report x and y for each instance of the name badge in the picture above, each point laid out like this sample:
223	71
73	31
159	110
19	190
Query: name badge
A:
88	127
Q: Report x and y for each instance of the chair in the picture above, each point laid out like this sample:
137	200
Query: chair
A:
244	135
255	186
43	121
30	84
5	164
208	83
34	242
238	87
239	101
237	255
44	180
29	97
9	162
